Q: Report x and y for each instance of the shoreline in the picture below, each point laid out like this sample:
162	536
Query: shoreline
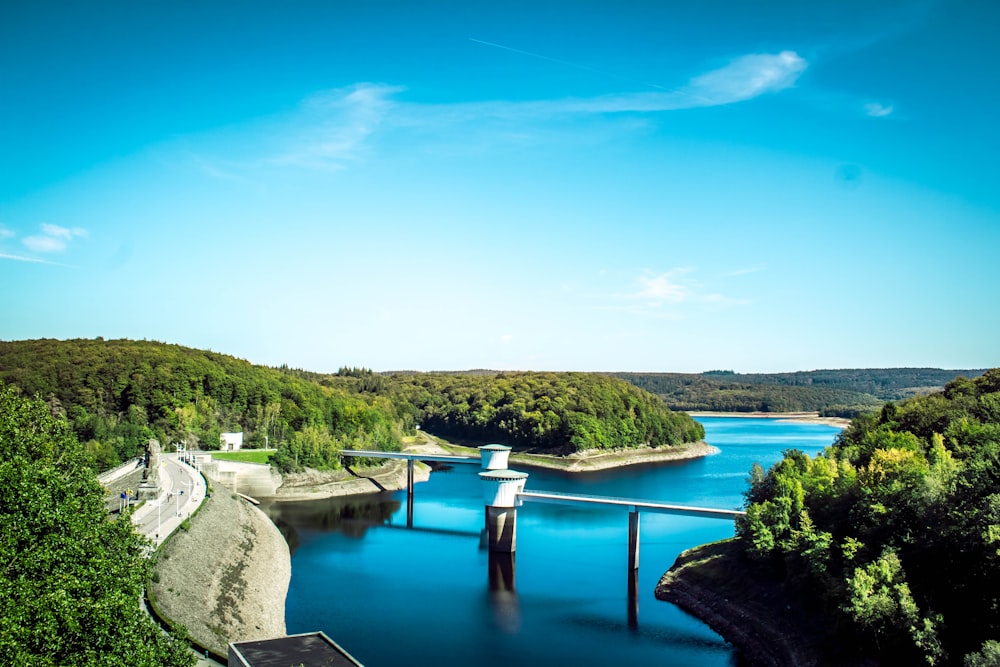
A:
794	417
391	476
596	460
752	612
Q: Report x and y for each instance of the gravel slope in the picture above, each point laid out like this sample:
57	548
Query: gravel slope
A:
226	578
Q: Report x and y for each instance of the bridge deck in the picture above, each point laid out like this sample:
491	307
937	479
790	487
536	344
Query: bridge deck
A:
411	456
630	504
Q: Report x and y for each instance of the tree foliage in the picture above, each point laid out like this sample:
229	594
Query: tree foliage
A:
551	412
895	529
71	578
119	394
833	393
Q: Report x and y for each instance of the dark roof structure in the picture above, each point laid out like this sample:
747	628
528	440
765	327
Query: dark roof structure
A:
311	649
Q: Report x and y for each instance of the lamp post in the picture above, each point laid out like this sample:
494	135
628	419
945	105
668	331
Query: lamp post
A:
189	485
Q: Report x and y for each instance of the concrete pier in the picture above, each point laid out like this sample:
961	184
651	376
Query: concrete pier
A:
500	493
633	539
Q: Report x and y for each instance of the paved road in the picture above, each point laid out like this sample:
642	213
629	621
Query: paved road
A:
182	488
159	517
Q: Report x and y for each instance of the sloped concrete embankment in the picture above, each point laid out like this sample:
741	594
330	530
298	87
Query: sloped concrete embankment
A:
226	577
258	480
264	481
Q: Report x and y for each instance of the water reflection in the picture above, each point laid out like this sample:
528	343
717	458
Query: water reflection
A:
633	598
503	597
351	516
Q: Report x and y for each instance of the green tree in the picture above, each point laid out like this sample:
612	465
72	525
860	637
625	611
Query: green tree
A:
71	577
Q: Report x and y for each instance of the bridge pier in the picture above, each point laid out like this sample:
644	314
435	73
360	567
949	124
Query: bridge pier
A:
409	493
633	539
633	599
500	492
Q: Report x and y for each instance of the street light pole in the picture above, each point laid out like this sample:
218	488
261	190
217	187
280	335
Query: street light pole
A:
187	502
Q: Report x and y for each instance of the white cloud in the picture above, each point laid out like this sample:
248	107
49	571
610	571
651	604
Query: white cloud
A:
21	258
506	338
664	288
876	110
748	77
6	233
668	295
742	79
53	238
335	127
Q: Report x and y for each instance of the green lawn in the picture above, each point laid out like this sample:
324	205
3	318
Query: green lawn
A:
246	455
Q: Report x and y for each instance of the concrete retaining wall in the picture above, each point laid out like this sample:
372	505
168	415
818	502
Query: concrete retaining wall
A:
252	479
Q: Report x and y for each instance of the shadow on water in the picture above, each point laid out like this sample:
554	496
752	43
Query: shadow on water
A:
351	516
503	596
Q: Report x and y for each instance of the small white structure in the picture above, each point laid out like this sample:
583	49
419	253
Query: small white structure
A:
494	457
231	442
500	491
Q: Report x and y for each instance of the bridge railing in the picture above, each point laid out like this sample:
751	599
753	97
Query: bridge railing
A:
631	504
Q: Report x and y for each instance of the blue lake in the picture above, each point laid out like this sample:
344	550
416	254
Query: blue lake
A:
393	596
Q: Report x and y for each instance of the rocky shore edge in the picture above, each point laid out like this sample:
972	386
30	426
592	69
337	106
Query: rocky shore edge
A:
767	627
595	459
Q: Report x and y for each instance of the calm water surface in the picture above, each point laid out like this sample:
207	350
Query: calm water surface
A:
432	596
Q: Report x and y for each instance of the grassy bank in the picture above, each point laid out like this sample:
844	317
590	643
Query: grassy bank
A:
245	456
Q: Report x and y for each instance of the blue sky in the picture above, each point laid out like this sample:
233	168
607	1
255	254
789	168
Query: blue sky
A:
670	186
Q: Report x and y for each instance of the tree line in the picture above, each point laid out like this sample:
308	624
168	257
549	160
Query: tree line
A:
893	532
549	412
833	393
118	394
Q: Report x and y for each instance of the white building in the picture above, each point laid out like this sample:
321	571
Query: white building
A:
231	442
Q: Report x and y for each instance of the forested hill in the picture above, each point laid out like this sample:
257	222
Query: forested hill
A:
118	394
552	412
893	533
840	392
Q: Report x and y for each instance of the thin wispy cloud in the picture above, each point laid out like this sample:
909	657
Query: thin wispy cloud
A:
748	77
876	110
339	124
33	260
742	79
334	128
663	288
668	295
53	238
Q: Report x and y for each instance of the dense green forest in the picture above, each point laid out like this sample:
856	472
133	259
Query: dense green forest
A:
118	394
551	412
894	531
833	393
72	577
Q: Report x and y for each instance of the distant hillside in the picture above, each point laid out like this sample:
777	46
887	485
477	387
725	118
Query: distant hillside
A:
118	394
845	392
554	412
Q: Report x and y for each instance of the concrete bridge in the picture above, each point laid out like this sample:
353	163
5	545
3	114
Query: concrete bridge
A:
504	492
